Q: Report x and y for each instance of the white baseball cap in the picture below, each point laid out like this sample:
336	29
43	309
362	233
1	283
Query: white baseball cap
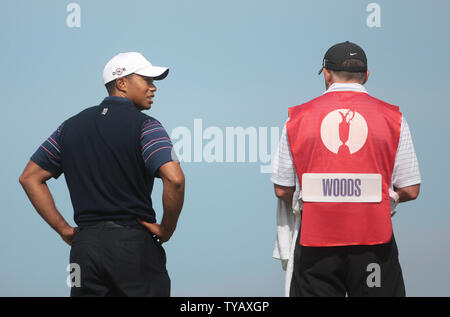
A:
124	64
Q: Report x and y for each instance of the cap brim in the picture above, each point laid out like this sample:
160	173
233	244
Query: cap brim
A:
155	72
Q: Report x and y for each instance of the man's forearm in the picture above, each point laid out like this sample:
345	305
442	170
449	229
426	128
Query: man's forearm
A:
285	193
43	202
408	193
287	197
173	199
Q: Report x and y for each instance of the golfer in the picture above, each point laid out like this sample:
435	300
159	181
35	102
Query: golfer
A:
110	155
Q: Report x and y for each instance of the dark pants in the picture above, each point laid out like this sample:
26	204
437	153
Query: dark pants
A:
118	261
348	270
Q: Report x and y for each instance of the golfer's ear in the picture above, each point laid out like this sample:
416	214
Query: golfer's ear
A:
121	84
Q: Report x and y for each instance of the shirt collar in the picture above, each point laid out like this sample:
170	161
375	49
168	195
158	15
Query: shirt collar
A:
117	100
346	87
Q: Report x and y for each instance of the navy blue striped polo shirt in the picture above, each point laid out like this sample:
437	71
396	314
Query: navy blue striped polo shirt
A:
110	155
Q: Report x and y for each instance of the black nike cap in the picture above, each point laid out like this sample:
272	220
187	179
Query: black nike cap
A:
341	52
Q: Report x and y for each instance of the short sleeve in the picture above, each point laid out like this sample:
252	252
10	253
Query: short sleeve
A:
283	170
157	148
48	155
406	168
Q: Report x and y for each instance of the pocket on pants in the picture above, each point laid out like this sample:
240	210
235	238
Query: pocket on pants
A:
163	252
77	236
156	252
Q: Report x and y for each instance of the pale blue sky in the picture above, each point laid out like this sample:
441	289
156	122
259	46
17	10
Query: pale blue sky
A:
233	63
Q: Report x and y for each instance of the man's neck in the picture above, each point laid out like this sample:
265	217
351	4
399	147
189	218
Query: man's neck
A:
341	82
118	94
345	86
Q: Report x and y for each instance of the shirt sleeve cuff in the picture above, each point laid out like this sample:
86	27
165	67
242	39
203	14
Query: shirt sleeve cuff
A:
55	171
408	182
287	183
160	160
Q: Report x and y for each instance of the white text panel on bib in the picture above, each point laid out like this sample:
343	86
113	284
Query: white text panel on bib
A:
341	187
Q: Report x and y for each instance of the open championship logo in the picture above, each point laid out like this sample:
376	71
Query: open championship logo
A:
344	131
119	71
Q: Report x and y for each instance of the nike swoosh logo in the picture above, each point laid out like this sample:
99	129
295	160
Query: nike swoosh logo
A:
351	54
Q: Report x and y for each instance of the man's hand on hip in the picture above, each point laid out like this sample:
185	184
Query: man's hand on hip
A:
157	230
68	234
33	181
173	197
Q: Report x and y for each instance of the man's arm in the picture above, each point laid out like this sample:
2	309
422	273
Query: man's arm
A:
407	193
406	177
285	193
173	197
33	181
283	171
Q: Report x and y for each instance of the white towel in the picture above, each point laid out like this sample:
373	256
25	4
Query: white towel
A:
288	225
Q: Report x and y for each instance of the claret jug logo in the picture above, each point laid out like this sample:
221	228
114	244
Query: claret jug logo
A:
344	131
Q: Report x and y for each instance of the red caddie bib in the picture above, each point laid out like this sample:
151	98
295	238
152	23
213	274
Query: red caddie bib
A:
343	145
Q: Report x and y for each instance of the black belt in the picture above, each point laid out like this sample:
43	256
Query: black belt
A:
113	224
